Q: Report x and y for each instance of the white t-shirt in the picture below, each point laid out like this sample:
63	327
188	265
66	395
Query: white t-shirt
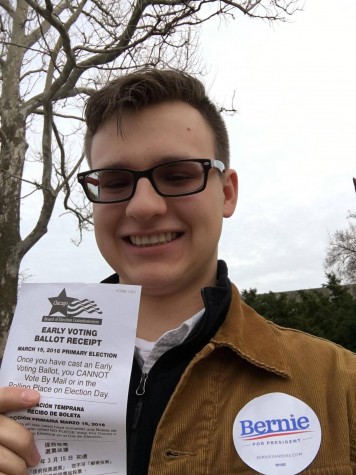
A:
148	352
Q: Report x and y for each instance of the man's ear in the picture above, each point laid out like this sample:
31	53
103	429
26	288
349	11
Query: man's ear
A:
230	192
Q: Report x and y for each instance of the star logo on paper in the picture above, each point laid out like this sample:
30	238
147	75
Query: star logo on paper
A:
60	304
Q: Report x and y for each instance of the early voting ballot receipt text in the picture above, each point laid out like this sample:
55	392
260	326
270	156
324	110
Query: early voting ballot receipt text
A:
74	343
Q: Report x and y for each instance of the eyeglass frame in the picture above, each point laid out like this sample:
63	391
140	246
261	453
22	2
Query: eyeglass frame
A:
207	164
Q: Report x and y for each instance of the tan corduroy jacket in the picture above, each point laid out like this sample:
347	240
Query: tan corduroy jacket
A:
247	358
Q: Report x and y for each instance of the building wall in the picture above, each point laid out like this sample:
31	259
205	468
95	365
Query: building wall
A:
294	293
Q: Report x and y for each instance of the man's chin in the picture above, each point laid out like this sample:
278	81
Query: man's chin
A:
152	283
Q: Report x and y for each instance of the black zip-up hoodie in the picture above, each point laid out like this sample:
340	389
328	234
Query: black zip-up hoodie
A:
149	394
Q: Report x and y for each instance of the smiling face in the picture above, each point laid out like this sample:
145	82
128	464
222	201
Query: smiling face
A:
167	245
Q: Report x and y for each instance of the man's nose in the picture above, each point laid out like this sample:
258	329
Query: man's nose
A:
146	202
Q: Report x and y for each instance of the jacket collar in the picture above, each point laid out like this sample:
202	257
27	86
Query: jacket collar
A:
251	337
243	330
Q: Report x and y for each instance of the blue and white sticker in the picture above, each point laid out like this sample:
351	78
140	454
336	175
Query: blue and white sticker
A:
277	434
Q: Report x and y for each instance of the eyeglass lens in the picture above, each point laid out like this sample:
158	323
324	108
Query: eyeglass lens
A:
172	179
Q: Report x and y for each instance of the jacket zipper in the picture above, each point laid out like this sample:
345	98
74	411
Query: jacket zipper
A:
141	388
140	391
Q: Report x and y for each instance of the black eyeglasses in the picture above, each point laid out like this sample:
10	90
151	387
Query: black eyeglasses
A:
178	178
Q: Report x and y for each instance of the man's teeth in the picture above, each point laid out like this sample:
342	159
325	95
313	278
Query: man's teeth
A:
153	240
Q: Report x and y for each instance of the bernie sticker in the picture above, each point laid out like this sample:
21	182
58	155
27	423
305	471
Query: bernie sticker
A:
277	434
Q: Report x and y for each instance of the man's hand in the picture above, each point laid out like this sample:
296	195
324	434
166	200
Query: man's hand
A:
17	446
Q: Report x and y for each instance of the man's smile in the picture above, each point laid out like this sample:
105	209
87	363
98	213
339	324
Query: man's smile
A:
153	240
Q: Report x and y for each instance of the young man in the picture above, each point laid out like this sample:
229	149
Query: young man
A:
161	185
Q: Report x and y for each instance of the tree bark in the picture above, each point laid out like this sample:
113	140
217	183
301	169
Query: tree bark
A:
12	159
12	155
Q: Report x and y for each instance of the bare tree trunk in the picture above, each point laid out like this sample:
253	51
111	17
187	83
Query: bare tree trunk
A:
11	163
12	159
12	247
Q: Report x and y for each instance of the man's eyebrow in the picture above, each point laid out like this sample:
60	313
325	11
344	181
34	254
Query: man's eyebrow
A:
171	158
129	163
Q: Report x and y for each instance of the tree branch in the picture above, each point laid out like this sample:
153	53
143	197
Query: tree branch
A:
63	116
65	39
44	26
49	194
5	4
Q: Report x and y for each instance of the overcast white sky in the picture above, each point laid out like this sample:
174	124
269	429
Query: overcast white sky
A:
293	143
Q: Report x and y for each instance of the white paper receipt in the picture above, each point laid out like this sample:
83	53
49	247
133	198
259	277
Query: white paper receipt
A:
74	343
277	434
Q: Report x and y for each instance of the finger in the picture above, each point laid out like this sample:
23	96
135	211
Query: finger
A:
14	398
11	463
16	444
